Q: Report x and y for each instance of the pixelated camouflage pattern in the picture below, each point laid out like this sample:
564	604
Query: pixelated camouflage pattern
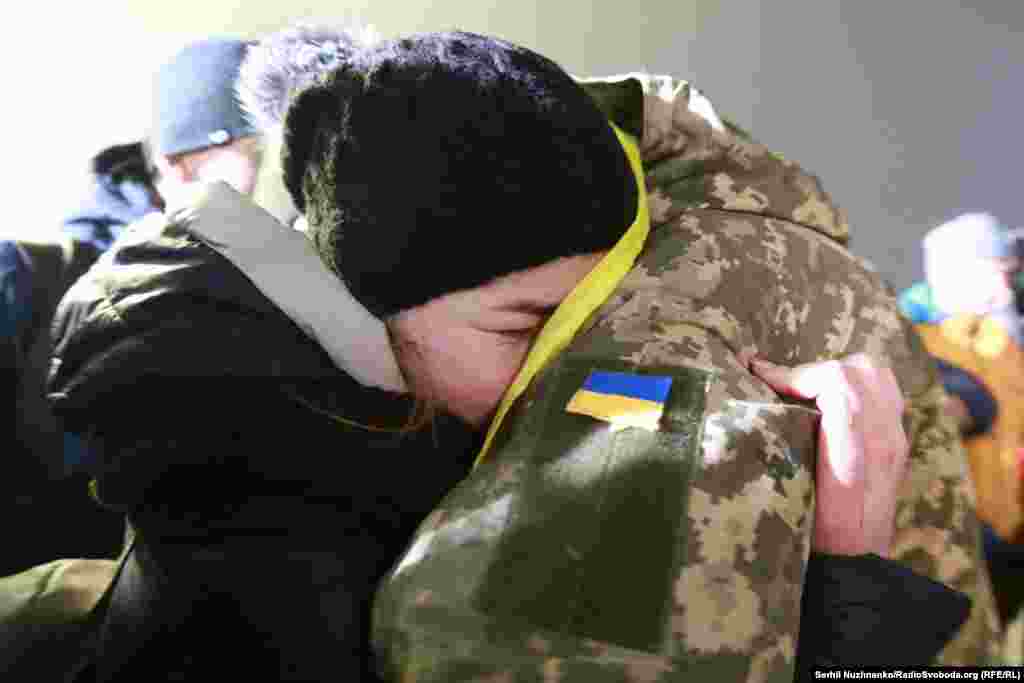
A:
745	257
759	268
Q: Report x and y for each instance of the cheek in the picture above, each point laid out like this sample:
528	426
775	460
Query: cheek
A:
474	370
236	170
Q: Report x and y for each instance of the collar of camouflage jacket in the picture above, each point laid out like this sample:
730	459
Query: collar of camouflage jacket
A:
696	159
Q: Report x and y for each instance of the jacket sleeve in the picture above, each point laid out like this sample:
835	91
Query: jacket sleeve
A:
868	611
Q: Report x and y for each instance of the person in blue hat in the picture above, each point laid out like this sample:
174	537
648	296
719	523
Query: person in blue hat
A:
34	275
211	123
55	515
199	132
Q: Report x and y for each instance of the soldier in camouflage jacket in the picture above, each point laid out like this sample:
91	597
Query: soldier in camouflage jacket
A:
747	256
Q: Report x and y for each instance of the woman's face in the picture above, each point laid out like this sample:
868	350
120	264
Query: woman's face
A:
465	348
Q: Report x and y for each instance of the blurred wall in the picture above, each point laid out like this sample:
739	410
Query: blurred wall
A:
906	110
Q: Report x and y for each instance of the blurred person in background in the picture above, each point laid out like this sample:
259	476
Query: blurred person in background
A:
967	312
55	514
47	509
203	134
199	133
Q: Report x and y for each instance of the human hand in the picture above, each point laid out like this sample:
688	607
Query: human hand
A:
862	449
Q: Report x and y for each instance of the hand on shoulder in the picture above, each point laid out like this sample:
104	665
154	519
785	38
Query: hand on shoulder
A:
862	449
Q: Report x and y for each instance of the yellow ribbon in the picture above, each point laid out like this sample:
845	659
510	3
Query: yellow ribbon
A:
585	298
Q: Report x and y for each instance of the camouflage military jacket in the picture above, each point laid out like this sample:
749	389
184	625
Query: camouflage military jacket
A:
575	552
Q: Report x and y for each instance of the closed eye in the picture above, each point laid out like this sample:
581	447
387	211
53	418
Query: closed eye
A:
521	318
529	306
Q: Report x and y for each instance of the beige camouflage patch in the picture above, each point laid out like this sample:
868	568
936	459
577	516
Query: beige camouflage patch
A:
842	321
885	325
738	229
719	611
817	210
659	207
737	197
791	318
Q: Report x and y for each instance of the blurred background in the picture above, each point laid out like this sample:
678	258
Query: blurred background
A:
908	111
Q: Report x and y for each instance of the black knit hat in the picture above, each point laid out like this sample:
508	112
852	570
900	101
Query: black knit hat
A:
195	105
442	161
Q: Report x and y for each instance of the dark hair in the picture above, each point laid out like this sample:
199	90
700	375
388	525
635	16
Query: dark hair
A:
441	161
130	163
126	159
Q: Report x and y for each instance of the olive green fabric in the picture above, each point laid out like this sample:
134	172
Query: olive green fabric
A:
621	100
49	615
46	617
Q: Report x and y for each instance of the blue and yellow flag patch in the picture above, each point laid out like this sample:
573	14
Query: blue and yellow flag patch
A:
622	399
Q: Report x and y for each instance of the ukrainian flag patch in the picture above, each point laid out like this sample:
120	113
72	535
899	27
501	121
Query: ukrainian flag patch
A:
622	399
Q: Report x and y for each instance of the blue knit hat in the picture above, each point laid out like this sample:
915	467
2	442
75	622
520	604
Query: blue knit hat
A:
195	105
